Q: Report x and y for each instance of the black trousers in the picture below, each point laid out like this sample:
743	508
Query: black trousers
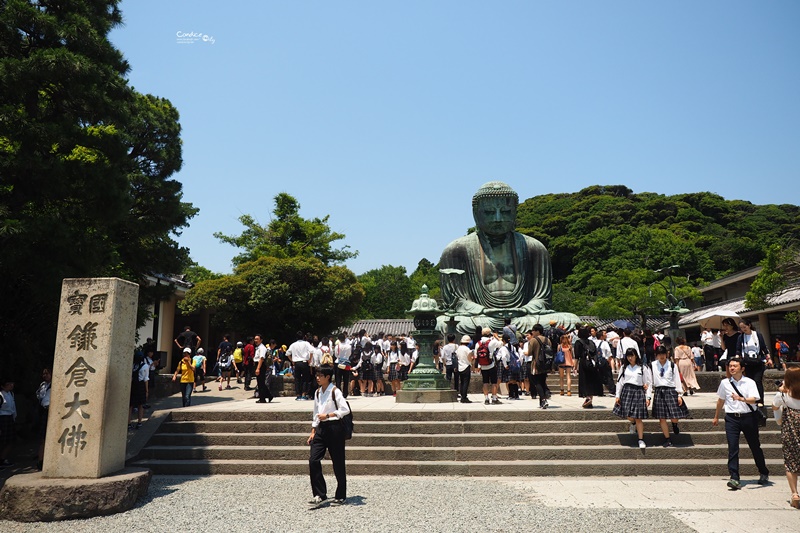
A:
755	371
448	372
539	381
261	381
462	382
302	374
328	436
342	380
248	374
747	424
708	355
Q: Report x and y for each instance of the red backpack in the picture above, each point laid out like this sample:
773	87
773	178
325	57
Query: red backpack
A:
482	351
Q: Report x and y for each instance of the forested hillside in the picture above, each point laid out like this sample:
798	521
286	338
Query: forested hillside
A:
605	241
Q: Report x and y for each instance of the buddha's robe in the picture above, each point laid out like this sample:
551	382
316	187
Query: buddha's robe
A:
510	276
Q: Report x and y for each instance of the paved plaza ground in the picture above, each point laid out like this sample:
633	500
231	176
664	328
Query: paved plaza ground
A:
591	504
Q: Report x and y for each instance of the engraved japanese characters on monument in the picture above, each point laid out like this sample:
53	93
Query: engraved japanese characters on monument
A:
91	378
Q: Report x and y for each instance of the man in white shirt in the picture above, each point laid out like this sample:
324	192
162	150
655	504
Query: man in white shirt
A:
464	369
299	353
263	367
626	342
341	356
446	357
328	434
484	353
737	394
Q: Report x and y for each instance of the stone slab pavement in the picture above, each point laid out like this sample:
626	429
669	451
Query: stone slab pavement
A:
702	504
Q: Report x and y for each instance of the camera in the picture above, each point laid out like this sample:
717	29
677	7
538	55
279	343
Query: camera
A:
779	383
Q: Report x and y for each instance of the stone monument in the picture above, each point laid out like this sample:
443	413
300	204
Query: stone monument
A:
84	461
497	273
425	383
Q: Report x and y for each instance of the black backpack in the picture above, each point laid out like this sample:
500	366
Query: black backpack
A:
136	369
544	363
355	355
347	421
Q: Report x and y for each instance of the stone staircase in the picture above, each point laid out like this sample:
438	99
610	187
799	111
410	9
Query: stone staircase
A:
430	442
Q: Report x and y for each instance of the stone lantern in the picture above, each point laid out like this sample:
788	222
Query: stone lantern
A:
425	383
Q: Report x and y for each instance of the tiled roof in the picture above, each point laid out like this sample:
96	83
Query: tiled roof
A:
789	296
392	326
653	323
404	326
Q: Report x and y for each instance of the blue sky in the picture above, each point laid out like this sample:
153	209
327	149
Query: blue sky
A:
387	116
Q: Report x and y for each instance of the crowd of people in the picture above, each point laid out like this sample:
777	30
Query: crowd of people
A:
647	372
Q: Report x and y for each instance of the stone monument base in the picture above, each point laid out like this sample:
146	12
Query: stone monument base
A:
426	396
34	498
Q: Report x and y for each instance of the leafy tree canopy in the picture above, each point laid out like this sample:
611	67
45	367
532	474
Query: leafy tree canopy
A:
287	235
85	163
390	291
606	241
284	281
278	296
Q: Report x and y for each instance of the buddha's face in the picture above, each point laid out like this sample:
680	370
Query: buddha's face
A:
495	215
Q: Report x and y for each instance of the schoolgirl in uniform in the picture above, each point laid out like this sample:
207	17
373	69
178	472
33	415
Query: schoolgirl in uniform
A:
394	363
508	375
366	372
666	394
377	366
404	362
631	402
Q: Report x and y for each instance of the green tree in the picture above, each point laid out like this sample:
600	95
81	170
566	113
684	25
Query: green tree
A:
84	166
426	273
779	269
388	292
287	235
279	296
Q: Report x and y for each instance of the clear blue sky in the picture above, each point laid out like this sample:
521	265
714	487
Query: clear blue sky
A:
389	115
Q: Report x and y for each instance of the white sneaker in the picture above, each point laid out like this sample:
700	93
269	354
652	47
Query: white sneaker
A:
642	445
315	502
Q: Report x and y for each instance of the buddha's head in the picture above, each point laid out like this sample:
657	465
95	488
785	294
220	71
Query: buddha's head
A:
494	208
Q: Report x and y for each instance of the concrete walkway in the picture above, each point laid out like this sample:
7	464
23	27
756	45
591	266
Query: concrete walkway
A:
701	504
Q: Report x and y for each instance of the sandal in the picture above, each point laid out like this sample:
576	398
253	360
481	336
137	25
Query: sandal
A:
795	501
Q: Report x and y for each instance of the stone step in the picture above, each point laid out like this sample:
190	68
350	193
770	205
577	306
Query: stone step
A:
489	413
448	427
626	449
605	467
448	441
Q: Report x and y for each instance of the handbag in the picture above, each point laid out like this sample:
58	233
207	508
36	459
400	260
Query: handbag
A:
761	417
779	412
560	359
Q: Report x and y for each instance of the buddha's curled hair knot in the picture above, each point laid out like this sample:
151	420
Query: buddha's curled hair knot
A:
494	189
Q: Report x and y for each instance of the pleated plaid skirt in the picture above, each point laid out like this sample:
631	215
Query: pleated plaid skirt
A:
523	370
665	404
393	374
632	403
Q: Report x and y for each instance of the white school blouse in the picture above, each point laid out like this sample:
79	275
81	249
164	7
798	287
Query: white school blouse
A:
633	375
